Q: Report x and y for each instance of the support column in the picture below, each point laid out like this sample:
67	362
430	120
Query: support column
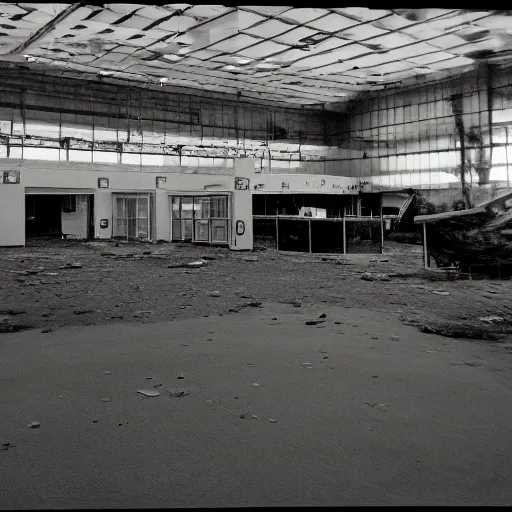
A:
242	232
309	229
12	214
381	225
344	230
425	248
277	233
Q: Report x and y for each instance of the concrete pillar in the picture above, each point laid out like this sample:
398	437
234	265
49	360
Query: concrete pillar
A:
103	210
12	214
163	221
241	214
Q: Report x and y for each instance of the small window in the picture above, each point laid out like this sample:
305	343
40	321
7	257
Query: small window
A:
69	203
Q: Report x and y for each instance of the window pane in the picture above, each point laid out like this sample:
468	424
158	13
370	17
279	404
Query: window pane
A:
186	229
201	231
219	207
186	207
142	228
175	207
132	228
219	230
176	230
121	208
142	207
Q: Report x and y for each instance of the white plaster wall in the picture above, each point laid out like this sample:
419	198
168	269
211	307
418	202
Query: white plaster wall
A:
75	224
12	215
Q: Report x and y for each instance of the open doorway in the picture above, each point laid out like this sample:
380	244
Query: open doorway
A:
59	216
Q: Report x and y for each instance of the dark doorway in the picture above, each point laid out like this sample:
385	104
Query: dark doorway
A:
43	215
293	235
59	216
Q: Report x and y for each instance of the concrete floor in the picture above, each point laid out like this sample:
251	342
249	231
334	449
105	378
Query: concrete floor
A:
381	421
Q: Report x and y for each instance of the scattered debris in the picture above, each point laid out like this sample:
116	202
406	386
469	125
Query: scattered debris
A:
180	376
177	392
149	378
274	318
107	373
323	315
242	416
314	322
272	420
395	338
12	312
34	424
375	337
71	266
377	406
83	311
208	257
308	365
191	264
369	276
439	292
215	294
105	399
95	421
184	344
45	331
148	392
462	363
254	417
375	376
250	364
255	384
431	351
250	258
6	446
491	319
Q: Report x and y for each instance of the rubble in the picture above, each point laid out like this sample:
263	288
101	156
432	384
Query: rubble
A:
148	392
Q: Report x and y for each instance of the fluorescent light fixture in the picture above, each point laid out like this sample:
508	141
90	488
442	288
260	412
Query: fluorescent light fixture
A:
171	57
29	58
268	65
241	61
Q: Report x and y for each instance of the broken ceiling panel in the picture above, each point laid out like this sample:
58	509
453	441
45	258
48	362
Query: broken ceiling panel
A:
270	28
301	16
234	44
332	23
363	13
263	50
361	32
229	49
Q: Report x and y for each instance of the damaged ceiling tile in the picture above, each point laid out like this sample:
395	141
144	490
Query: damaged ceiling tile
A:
270	28
306	15
263	50
332	23
363	13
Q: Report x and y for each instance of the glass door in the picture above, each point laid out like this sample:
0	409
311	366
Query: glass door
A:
201	219
131	217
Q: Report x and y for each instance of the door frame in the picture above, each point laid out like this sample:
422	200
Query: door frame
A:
223	193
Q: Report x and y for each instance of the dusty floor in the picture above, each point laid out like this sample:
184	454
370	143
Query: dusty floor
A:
358	410
381	414
110	288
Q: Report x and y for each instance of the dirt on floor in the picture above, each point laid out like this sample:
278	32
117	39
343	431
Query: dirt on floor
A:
53	283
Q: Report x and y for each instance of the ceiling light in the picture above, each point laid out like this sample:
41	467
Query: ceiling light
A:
243	61
164	79
171	57
103	72
29	58
268	65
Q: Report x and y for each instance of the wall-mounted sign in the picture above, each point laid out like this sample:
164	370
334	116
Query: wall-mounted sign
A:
11	177
160	181
240	227
102	182
241	183
259	186
103	223
285	184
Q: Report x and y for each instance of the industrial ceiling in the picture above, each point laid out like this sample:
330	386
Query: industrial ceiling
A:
312	57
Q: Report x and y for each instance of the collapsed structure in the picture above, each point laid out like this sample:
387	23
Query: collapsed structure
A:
225	125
